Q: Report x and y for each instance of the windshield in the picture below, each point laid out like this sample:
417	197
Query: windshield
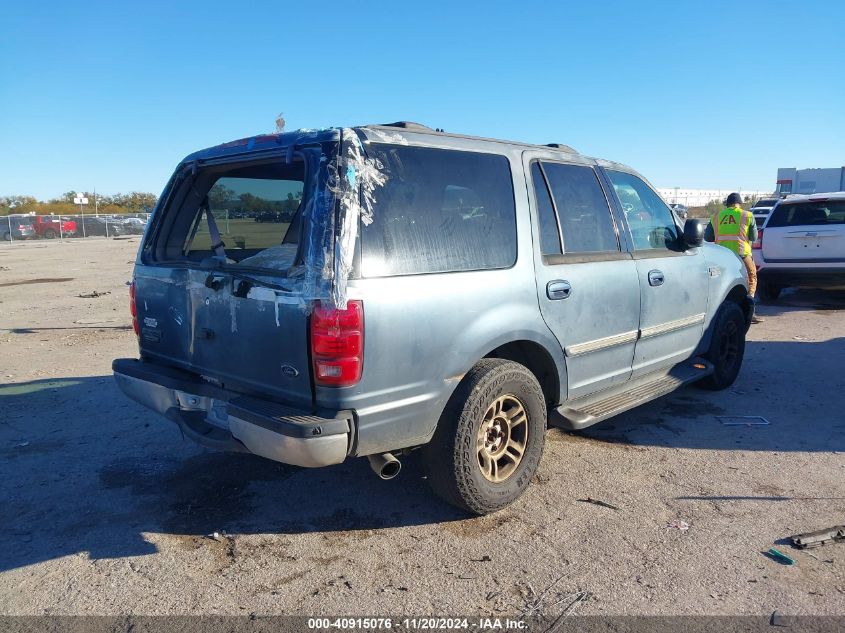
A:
820	213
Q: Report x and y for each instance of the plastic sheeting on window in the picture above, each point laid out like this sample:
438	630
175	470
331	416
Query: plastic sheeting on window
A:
346	190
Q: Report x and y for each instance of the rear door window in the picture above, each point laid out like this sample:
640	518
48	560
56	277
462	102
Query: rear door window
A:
439	211
582	210
549	229
822	213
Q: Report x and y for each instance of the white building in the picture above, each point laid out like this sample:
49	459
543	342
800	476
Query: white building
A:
792	180
700	197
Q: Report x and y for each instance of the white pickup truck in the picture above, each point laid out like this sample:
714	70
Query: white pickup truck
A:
802	243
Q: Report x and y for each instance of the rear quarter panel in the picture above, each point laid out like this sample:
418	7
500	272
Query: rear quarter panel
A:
424	332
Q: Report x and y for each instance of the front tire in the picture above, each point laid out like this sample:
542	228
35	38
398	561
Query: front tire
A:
490	438
727	347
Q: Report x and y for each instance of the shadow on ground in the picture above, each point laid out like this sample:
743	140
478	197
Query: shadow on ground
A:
82	469
795	386
831	301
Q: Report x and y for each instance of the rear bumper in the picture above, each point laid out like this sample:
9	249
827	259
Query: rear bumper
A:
819	277
229	421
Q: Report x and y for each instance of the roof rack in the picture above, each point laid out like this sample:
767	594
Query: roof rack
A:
561	146
407	125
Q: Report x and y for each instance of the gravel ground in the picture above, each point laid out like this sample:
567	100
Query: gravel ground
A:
106	510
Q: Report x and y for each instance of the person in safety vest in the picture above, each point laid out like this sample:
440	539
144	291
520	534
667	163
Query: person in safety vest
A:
735	229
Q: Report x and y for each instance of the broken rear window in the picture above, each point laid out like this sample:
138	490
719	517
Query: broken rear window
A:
253	209
259	207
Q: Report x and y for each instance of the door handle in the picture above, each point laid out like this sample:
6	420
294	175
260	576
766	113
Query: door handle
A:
655	278
558	289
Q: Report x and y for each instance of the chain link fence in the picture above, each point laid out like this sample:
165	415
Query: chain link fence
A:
702	203
21	228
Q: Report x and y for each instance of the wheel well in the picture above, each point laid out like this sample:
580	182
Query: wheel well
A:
537	360
739	295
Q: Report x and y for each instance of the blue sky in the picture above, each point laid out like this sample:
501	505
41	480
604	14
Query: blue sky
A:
693	94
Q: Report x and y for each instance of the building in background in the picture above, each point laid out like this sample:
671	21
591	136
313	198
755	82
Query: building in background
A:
792	180
700	197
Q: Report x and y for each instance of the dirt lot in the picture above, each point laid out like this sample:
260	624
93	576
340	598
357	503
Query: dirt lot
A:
105	509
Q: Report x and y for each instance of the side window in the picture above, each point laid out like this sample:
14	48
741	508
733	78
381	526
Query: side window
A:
439	211
651	222
585	220
549	232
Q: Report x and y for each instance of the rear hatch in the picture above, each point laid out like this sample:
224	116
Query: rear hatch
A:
237	313
806	231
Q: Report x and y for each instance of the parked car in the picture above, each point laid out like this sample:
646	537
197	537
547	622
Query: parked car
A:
133	226
680	209
268	216
761	210
100	226
802	243
50	227
16	227
386	319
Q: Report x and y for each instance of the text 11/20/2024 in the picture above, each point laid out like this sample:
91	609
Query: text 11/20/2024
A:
417	624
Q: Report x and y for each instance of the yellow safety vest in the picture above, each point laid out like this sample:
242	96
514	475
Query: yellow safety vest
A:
730	228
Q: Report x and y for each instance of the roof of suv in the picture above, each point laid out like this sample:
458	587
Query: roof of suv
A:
389	132
409	126
814	197
402	128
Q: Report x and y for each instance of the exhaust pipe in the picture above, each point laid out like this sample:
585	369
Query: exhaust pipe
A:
385	465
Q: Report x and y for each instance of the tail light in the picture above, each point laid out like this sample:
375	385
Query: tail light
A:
337	344
758	244
133	309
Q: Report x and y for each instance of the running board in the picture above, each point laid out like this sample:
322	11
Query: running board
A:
588	410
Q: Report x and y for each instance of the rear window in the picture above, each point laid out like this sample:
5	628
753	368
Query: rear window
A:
257	207
252	208
765	202
808	214
439	211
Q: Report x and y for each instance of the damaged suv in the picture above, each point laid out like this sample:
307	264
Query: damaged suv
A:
430	291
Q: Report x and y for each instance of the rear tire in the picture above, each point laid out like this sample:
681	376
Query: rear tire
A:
727	348
489	439
768	291
50	234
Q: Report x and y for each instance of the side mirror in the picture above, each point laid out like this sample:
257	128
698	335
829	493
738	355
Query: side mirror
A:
693	233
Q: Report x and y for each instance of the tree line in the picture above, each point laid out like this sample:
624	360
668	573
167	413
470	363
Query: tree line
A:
133	202
222	197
